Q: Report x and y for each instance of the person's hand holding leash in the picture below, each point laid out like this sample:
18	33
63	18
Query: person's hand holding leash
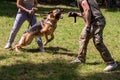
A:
32	11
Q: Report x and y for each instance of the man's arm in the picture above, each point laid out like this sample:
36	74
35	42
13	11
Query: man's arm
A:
87	13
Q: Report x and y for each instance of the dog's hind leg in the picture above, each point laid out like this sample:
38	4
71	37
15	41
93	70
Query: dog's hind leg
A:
20	44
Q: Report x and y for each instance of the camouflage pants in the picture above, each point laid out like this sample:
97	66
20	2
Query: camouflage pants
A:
96	33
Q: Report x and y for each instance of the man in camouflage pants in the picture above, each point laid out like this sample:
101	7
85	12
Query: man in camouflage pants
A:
94	25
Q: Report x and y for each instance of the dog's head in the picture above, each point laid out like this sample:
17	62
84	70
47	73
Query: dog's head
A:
56	14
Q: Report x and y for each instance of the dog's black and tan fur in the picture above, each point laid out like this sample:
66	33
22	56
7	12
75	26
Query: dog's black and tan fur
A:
45	27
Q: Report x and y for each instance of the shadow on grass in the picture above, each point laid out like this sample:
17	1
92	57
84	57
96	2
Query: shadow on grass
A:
56	69
9	9
112	75
94	63
53	50
2	57
30	50
60	50
112	9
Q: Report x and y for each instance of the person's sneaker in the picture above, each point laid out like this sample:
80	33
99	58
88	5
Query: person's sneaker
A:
76	61
42	49
111	67
8	45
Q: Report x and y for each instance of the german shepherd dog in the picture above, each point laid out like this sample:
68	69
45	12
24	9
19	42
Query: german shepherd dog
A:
45	27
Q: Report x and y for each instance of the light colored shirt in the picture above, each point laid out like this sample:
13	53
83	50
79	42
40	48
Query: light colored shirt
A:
28	2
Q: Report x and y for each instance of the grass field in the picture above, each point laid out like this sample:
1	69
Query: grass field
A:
54	64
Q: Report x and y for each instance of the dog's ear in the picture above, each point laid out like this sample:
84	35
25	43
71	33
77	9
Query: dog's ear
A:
50	12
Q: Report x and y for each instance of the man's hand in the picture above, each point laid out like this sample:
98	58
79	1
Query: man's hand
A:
72	14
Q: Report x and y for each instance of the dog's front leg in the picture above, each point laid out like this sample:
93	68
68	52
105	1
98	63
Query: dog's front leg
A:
52	37
46	40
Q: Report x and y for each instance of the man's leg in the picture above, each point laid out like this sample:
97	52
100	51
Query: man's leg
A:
83	41
100	46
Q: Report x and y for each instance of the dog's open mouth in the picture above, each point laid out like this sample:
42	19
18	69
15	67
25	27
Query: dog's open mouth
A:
58	15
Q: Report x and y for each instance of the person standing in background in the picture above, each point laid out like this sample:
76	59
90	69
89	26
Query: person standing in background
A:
26	10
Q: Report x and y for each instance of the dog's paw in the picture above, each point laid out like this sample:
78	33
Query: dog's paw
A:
17	50
45	43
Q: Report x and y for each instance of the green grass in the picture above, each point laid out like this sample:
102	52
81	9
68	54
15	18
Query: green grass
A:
31	64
